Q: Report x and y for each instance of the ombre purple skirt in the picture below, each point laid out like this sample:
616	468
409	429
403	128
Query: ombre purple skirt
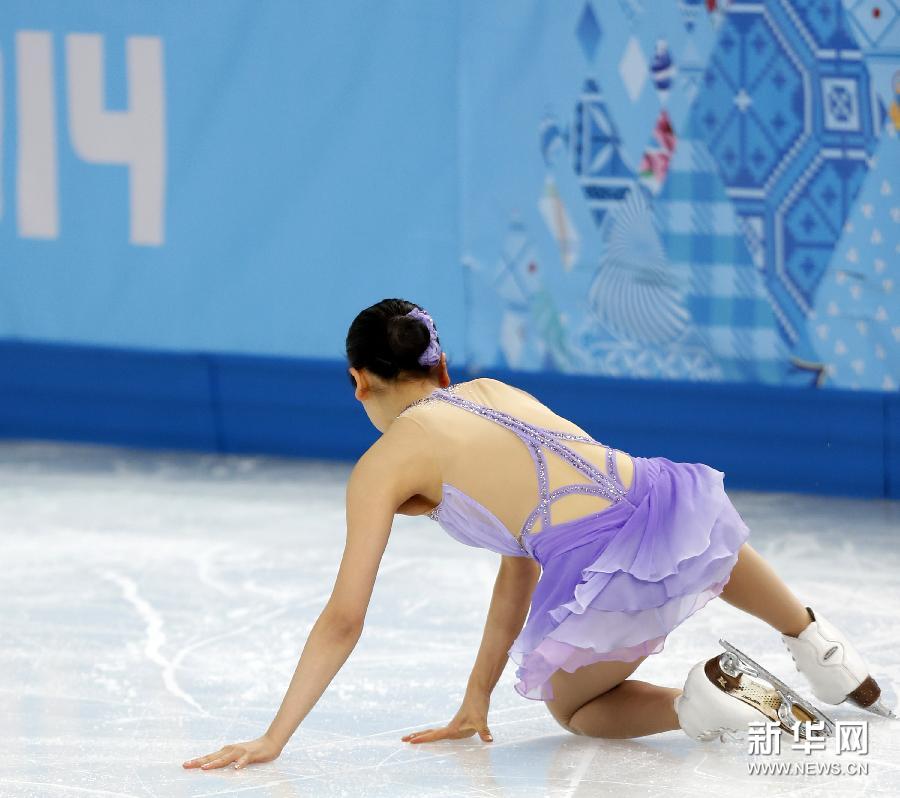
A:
615	583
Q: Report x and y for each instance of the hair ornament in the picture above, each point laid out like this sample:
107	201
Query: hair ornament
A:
432	354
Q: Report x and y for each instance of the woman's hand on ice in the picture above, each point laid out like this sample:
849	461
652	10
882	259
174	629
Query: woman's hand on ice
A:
471	719
263	749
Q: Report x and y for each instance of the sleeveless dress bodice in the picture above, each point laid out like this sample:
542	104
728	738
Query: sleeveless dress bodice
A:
473	524
613	583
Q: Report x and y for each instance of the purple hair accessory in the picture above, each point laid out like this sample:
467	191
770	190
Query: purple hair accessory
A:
432	353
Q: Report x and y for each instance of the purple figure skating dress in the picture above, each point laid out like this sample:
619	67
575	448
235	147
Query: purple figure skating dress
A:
615	582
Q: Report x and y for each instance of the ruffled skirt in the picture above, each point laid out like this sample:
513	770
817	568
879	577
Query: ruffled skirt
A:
615	583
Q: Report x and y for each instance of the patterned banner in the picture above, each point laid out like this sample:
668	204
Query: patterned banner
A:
689	190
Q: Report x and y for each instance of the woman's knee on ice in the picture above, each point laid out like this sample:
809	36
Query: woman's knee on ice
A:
563	716
567	717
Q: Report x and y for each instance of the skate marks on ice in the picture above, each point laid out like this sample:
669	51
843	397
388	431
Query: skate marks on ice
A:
155	604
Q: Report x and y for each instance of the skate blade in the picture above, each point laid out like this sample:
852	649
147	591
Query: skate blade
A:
885	698
769	702
880	708
810	712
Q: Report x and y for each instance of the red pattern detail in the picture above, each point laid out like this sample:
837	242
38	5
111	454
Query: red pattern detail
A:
655	160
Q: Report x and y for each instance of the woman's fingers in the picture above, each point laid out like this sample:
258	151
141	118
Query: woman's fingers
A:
415	734
447	732
451	732
200	760
241	754
220	758
422	736
221	761
216	763
429	736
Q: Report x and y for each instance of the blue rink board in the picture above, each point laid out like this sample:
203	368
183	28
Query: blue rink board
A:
763	437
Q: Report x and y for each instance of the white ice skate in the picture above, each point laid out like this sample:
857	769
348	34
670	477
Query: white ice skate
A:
721	698
835	670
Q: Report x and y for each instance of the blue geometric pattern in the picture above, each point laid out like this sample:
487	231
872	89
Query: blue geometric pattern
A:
653	54
755	237
727	301
635	295
589	32
596	153
856	324
788	114
622	70
876	26
685	31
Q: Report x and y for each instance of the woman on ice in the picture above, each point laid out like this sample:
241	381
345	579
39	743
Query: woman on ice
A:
603	551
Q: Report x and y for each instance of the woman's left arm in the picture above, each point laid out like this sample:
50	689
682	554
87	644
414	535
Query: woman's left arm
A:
513	588
383	478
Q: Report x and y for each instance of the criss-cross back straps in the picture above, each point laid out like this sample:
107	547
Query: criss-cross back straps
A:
535	437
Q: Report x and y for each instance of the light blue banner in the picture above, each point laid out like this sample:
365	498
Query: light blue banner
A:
677	190
225	176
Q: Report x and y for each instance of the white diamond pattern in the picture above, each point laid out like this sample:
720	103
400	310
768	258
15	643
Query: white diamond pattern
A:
633	68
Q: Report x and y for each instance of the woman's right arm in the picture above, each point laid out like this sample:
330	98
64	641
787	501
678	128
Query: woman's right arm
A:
387	475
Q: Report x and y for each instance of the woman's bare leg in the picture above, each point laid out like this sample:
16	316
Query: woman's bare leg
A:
598	701
755	588
631	709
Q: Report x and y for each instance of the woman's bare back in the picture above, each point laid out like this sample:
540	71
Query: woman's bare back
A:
492	465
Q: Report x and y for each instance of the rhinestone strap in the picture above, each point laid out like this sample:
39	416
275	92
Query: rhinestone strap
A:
418	402
593	490
606	485
522	546
611	468
543	480
535	435
433	396
566	435
543	487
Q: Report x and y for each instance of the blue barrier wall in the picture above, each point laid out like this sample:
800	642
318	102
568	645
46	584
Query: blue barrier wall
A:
762	437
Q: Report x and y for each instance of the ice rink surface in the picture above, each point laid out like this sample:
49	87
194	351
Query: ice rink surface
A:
154	606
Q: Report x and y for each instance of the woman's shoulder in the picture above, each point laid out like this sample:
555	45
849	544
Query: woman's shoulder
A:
498	386
400	463
406	443
485	391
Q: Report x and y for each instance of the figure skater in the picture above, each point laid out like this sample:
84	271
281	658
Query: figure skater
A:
605	552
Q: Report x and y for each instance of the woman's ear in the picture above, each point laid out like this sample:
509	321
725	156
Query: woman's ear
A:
362	383
444	378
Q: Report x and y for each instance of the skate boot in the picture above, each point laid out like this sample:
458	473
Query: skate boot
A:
835	670
721	697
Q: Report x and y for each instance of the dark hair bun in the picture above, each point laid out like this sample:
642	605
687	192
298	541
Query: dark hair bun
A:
385	340
408	338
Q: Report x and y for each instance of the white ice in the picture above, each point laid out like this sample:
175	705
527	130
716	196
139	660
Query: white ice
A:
154	606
